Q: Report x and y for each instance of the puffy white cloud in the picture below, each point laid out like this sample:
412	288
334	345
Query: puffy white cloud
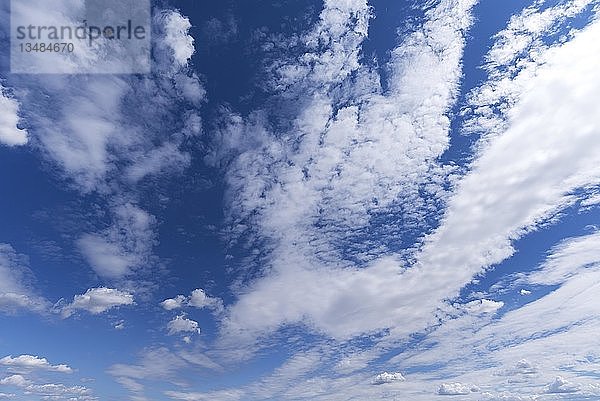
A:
561	386
197	299
456	389
48	390
174	303
30	362
481	306
97	300
15	380
176	37
181	324
386	378
10	133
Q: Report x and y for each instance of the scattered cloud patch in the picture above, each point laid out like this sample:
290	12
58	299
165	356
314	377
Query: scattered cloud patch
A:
197	299
10	133
97	301
30	362
456	389
386	378
181	324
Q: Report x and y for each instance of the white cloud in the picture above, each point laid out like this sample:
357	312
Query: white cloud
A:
456	389
174	303
347	163
525	292
30	362
197	299
48	390
181	324
122	248
562	386
568	259
481	306
176	36
97	300
386	378
106	133
15	380
15	276
10	133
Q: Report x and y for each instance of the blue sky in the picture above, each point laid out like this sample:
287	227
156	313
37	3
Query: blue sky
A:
308	200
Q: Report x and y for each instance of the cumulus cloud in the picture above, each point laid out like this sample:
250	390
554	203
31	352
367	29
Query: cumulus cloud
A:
97	301
48	390
456	389
181	324
174	303
175	27
197	299
30	362
386	378
481	306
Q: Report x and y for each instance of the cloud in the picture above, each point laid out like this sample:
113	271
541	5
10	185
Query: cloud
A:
122	248
15	276
174	303
386	378
181	324
314	197
105	134
197	299
97	301
49	390
571	257
562	386
456	389
30	362
481	306
175	28
10	133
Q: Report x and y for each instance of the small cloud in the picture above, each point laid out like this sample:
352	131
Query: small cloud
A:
386	378
525	292
10	133
97	300
561	386
197	299
30	362
15	380
120	325
481	306
174	303
457	389
525	367
183	325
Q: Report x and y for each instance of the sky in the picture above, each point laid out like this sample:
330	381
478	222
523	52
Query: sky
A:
306	200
